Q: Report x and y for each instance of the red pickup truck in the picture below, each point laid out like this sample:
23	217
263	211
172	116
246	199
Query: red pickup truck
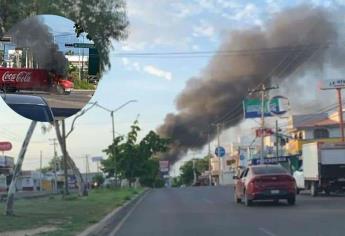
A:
16	79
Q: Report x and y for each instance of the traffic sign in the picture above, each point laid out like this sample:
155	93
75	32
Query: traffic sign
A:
5	146
80	45
220	151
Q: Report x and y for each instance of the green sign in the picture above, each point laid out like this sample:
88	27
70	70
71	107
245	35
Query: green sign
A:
252	107
80	45
84	45
93	62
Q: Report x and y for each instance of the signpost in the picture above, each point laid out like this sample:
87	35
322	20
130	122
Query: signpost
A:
337	84
220	151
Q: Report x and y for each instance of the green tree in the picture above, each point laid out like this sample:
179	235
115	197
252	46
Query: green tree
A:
136	159
187	172
55	163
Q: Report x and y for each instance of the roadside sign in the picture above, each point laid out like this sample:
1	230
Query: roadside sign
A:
164	166
5	146
80	45
220	151
263	132
332	84
283	105
252	107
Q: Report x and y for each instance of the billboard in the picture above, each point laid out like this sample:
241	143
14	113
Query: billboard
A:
333	83
164	166
252	107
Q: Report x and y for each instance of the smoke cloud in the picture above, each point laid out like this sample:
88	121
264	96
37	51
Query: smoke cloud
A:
297	38
32	33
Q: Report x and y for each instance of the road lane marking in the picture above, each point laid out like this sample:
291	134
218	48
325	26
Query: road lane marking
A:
266	231
120	224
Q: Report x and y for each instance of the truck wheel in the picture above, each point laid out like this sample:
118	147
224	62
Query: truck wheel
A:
247	202
313	189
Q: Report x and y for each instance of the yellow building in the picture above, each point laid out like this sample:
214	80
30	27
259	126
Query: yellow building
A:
311	128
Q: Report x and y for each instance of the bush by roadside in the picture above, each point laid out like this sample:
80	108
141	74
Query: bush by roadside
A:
64	217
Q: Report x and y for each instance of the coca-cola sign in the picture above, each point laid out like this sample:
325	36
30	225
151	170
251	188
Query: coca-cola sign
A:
5	146
23	76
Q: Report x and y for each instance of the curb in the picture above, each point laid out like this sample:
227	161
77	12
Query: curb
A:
106	225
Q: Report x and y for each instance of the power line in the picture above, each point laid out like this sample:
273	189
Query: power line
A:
234	52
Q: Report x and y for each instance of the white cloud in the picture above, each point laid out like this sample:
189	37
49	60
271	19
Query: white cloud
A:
149	69
273	6
248	11
130	65
152	70
204	29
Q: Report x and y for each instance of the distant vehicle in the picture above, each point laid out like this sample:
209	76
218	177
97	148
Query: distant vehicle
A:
264	182
16	79
322	169
31	107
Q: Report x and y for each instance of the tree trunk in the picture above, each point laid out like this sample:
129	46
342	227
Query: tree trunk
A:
81	184
17	169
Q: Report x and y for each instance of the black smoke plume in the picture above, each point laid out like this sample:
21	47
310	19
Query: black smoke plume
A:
32	33
298	37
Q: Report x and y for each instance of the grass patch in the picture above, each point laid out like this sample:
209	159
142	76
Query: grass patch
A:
83	84
71	215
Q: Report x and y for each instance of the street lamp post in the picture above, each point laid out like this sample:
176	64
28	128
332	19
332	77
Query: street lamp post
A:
113	128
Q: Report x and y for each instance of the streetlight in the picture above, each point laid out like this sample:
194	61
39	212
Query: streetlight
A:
113	126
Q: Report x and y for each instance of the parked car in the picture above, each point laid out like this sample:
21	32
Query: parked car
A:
264	182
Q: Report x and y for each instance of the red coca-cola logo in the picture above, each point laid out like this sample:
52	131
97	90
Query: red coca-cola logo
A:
22	76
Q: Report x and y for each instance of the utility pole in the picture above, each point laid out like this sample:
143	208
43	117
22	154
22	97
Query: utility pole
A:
340	111
113	129
194	173
262	91
277	139
87	170
54	140
220	176
65	157
114	151
41	171
209	159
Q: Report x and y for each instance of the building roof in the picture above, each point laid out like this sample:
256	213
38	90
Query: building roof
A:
319	123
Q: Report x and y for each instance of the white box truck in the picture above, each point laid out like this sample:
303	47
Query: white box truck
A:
323	168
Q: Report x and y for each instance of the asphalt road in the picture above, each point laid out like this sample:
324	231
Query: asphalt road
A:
211	211
77	99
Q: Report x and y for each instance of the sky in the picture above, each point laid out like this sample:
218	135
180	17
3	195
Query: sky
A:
155	26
